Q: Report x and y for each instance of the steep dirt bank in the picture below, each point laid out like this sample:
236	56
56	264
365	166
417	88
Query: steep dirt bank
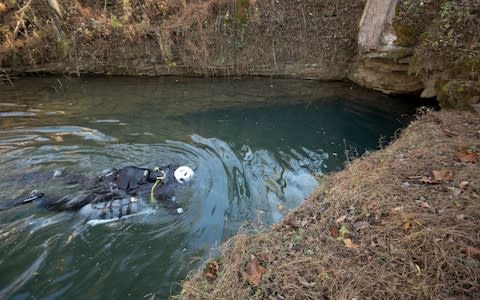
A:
400	223
314	39
436	50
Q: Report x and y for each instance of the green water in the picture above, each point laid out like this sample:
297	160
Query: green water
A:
258	147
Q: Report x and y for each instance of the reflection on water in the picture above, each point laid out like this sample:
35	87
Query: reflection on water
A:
258	147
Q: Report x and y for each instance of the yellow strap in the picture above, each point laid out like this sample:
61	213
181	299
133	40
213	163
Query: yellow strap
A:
152	197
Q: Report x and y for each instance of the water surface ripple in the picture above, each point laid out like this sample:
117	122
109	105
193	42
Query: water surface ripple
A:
258	147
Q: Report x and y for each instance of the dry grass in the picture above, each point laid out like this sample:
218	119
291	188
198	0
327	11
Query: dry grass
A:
377	230
208	37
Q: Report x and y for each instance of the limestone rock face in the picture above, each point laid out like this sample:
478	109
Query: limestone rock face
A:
380	64
384	75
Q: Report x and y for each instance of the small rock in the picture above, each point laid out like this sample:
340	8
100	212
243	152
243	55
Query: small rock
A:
361	225
405	60
456	191
57	173
405	185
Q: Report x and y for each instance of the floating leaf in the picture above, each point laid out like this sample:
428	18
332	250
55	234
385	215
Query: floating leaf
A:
442	175
254	271
467	156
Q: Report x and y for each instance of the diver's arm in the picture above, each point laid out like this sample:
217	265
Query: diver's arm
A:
170	205
34	195
174	210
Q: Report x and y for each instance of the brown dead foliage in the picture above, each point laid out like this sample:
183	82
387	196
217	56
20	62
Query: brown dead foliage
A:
212	269
467	156
254	271
208	37
373	231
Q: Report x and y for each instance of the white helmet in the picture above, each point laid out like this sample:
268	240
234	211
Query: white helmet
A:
183	174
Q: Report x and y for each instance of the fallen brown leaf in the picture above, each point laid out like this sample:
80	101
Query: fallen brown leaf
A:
466	156
254	271
426	179
334	233
406	226
212	269
424	204
341	219
472	251
442	175
349	244
450	132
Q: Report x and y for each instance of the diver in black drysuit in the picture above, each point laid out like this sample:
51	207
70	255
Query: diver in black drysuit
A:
117	193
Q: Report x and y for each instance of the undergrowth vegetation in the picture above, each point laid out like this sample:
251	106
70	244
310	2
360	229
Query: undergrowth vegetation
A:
210	37
446	38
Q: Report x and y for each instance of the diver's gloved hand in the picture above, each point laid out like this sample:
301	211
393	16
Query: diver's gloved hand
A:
35	194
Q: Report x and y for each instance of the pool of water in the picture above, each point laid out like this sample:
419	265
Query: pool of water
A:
258	146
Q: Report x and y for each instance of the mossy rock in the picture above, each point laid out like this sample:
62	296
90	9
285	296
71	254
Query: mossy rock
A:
465	66
242	10
398	53
406	35
458	93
